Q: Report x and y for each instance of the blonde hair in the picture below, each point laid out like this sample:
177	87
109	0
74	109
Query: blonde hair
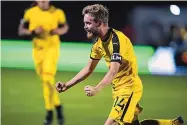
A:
98	11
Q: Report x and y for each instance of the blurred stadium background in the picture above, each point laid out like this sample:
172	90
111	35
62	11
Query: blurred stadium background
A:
158	31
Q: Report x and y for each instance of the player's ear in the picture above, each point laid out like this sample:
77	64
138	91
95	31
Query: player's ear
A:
98	24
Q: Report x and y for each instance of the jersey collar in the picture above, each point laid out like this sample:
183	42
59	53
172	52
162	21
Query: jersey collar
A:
107	36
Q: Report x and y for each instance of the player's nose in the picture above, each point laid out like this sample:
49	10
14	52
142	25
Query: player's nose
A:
85	27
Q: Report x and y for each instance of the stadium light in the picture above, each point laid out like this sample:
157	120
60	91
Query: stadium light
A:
175	9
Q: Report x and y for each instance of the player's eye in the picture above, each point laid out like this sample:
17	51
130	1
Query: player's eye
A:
88	23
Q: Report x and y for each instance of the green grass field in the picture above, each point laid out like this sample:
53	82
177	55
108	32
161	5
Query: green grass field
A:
22	101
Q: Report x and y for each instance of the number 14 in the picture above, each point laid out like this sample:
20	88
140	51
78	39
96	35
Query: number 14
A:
119	102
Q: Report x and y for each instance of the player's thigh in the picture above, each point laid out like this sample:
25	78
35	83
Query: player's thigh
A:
111	121
124	107
38	57
51	60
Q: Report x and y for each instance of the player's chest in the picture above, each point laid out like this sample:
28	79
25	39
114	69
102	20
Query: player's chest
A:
106	50
43	18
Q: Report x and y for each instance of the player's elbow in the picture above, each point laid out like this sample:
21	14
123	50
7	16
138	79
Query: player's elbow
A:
65	29
20	33
89	70
20	30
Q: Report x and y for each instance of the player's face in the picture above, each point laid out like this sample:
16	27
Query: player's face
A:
91	26
43	4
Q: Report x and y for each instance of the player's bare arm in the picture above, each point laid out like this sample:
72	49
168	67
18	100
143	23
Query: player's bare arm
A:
23	31
82	75
61	30
91	91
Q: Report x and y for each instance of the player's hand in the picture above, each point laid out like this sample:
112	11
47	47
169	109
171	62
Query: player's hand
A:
38	30
61	87
90	90
55	32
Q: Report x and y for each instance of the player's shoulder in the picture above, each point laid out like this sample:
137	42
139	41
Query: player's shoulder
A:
118	33
120	36
31	9
57	10
95	43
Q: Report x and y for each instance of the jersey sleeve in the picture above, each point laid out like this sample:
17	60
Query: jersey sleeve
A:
26	16
95	54
116	55
62	17
25	19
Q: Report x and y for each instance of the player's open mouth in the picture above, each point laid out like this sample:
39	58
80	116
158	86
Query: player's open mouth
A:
89	32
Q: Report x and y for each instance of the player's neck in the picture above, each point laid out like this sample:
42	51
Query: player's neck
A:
104	31
46	9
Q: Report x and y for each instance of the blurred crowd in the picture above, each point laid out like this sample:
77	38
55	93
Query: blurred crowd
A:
177	36
178	41
155	35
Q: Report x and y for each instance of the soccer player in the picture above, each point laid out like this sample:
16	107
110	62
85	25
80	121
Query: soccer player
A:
120	58
45	23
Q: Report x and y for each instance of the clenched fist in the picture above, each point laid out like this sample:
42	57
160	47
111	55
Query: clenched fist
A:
90	90
38	30
61	87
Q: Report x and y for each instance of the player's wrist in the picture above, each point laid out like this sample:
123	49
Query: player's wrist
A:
54	32
68	85
33	33
97	88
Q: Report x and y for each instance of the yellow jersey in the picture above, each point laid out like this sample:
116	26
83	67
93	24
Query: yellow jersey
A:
48	20
117	48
